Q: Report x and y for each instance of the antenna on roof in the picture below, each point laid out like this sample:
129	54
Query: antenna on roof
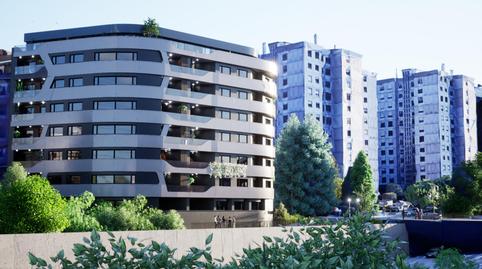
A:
315	39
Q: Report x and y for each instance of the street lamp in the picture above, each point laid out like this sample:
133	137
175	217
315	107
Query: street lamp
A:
349	207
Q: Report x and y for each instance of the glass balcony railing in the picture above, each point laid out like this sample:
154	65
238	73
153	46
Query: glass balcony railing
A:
29	69
188	164
188	70
25	141
28	47
191	188
193	48
23	117
190	94
27	93
184	141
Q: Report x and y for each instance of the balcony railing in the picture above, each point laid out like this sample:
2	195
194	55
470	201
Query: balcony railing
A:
27	93
28	47
185	141
28	69
190	94
22	117
188	70
191	188
193	48
188	164
25	141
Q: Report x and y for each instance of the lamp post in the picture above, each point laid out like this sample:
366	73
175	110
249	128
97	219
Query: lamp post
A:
349	207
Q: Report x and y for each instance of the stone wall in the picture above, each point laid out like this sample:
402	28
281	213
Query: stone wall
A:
226	242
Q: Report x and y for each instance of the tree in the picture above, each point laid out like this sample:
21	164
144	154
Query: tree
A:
77	213
15	172
395	188
428	193
31	205
151	28
339	188
361	182
305	168
346	189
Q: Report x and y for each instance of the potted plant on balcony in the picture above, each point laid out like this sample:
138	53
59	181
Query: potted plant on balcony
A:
228	170
20	86
184	109
16	134
151	28
190	180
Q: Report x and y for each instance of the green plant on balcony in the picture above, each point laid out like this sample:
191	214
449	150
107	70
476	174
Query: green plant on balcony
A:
227	170
191	180
151	28
16	134
183	109
20	86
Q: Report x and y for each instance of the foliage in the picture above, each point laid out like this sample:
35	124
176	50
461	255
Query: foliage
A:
351	243
428	193
166	221
14	172
389	196
466	198
361	182
77	213
305	169
183	109
346	189
229	170
151	28
282	217
31	205
451	258
19	86
338	188
396	188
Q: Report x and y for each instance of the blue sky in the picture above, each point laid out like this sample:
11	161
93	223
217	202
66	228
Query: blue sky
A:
389	34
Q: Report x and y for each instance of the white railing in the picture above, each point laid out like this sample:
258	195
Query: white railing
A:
188	70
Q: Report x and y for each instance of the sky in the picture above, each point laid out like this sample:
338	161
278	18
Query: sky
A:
391	35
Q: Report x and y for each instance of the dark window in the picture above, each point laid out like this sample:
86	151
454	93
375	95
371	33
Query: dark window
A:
285	56
56	107
76	58
73	180
58	83
73	154
75	106
285	106
76	82
58	59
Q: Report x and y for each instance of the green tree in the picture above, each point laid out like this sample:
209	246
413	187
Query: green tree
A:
428	193
14	172
346	189
339	188
361	182
77	213
395	188
151	28
305	168
31	205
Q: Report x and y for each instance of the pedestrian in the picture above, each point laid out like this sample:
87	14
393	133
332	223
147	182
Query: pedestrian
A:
223	221
234	222
230	222
216	221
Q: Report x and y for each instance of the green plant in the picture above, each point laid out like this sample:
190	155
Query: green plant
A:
31	205
16	134
282	217
396	188
191	180
451	259
361	182
14	172
305	168
339	188
151	28
77	213
183	109
428	193
20	86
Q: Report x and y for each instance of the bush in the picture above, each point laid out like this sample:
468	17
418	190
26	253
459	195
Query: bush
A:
389	196
165	221
151	28
31	205
351	243
77	213
451	258
283	217
14	172
428	193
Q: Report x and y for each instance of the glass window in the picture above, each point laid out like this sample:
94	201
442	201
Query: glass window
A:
126	56
125	129
56	107
103	179
243	160
225	137
225	159
226	115
104	105
76	58
56	131
73	180
126	81
75	106
123	179
55	155
225	69
75	130
243	117
243	95
104	129
243	139
242	73
226	92
58	59
104	80
76	82
105	56
58	83
103	154
73	155
124	154
127	105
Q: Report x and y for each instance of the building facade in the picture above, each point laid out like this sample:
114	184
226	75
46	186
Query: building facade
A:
427	125
5	70
107	110
330	85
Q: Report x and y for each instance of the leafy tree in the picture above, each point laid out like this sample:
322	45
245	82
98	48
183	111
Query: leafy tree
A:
339	188
165	221
15	172
151	28
361	182
31	205
77	213
428	193
305	168
346	189
395	188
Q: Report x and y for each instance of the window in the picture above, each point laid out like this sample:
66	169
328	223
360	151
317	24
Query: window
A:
225	137
242	182
125	80
285	106
225	159
285	68
126	56
76	82
317	105
422	158
75	106
243	139
105	56
104	80
104	105
73	180
421	139
73	154
327	96
55	155
243	95
56	107
285	81
75	130
284	57
310	103
310	66
125	105
76	58
225	70
242	73
104	129
309	53
56	131
103	179
103	154
243	117
58	83
58	59
125	129
225	115
225	92
124	179
124	154
285	94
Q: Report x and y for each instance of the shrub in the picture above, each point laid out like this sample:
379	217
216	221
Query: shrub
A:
451	258
283	217
31	205
14	172
165	221
77	213
151	28
428	193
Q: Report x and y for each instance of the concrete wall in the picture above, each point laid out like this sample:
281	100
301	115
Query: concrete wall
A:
226	242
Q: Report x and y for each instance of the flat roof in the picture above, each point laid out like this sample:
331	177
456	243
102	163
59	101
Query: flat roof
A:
134	29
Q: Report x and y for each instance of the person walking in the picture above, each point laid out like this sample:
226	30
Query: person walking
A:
234	222
223	221
230	222
216	221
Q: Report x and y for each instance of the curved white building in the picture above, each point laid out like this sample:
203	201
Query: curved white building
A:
107	110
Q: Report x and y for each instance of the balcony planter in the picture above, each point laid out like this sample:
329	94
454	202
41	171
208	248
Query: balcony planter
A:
191	180
227	170
184	109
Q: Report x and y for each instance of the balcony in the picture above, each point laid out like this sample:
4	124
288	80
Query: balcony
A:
192	48
189	70
190	188
188	164
185	141
24	48
29	69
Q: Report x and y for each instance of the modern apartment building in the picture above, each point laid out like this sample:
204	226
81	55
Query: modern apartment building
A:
478	94
5	61
107	110
427	125
331	85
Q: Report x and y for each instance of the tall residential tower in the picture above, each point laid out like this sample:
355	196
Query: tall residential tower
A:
5	70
